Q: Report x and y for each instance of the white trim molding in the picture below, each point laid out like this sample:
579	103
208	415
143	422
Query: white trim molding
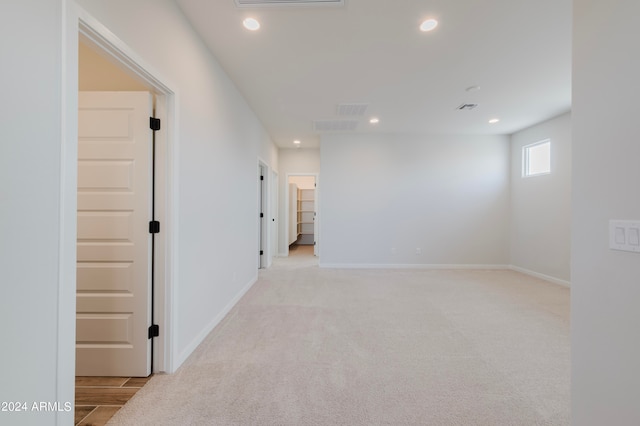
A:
410	266
549	278
454	266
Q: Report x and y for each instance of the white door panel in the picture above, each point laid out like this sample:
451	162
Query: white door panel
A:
95	201
106	226
105	123
105	276
100	328
106	175
114	203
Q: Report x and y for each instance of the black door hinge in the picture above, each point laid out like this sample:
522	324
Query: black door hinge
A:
154	331
154	123
261	252
154	227
261	214
261	177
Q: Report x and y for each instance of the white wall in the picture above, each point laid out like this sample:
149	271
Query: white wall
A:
220	141
605	290
448	196
292	161
541	205
31	143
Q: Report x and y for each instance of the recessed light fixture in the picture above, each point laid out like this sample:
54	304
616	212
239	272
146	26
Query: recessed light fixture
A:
251	24
296	142
374	120
494	120
472	89
428	25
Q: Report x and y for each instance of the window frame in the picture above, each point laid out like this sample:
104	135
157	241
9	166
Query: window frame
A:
526	158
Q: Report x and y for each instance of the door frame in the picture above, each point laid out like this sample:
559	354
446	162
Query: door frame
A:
273	211
316	236
264	204
263	214
79	23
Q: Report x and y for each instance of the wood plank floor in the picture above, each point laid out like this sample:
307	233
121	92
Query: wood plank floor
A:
301	250
99	398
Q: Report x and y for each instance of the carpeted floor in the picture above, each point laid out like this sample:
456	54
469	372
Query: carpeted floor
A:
311	346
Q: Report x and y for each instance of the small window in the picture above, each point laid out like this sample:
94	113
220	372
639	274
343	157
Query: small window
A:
536	158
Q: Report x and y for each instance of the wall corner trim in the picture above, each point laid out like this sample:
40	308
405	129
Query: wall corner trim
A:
409	266
549	278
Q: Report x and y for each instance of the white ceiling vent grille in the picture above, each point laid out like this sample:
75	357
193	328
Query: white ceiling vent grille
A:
351	110
280	3
335	125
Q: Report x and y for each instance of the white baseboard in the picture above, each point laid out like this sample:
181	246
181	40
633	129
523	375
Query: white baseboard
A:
551	279
408	266
182	357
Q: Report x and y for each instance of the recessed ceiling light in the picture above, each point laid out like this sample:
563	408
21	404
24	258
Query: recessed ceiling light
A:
472	89
428	25
297	142
494	120
251	24
374	120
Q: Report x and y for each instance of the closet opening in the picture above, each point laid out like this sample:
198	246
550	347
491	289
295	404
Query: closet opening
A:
303	218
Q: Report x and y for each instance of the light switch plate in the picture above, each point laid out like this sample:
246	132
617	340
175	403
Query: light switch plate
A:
624	235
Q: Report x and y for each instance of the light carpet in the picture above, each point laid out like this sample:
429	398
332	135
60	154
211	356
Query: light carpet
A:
312	346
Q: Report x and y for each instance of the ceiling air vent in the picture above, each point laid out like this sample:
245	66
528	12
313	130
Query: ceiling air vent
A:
351	110
467	107
277	3
335	125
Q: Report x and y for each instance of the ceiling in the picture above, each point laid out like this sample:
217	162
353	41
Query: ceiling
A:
304	61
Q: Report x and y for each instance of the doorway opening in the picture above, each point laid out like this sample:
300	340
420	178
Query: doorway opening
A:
303	220
106	64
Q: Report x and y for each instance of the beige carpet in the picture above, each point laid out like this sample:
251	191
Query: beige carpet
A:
310	346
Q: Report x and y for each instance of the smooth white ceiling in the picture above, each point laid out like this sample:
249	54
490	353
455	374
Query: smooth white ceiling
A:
304	61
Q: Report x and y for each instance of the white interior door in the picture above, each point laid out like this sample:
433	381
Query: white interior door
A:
114	250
